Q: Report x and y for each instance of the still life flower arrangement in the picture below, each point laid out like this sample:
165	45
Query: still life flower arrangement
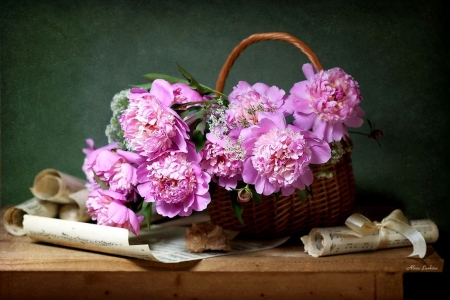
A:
169	140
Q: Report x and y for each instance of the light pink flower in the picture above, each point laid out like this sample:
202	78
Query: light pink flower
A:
150	126
109	208
246	102
221	162
327	102
279	155
175	182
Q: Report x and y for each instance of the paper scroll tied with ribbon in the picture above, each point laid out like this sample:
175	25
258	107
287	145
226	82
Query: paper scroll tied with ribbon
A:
361	234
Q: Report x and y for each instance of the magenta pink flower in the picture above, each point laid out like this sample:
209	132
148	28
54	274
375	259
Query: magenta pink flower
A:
246	102
327	102
279	155
175	182
220	160
115	168
109	208
150	126
91	154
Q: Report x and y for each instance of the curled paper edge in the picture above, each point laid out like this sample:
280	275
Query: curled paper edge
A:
55	186
14	216
76	211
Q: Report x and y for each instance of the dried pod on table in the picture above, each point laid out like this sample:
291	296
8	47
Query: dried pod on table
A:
206	236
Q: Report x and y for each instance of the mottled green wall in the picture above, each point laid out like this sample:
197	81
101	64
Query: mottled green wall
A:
62	61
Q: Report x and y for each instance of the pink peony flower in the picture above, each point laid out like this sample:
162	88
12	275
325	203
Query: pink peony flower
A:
246	102
278	155
109	208
326	102
91	152
221	161
115	167
150	126
175	182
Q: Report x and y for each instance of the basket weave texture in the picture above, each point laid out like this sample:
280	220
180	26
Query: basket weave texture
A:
332	199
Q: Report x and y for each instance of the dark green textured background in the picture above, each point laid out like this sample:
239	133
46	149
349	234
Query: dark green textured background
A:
62	61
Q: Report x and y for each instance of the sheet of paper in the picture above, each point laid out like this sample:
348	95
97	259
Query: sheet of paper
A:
336	240
161	243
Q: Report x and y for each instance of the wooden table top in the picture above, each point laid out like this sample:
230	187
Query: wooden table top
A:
24	254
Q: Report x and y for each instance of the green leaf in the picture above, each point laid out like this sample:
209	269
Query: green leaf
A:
199	140
201	126
303	194
153	76
145	86
202	89
237	207
208	90
100	182
196	117
147	211
189	111
257	198
277	196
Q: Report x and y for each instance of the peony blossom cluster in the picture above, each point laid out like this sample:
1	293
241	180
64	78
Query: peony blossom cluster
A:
178	137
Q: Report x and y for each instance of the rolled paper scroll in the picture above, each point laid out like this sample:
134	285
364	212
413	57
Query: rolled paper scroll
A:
55	186
361	234
13	217
76	211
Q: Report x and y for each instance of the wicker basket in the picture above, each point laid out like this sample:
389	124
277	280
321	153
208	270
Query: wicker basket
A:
333	197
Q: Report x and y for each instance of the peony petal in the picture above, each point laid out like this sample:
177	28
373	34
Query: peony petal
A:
185	213
275	93
135	222
304	121
228	182
261	88
320	153
112	194
249	173
287	191
93	155
328	134
319	128
270	121
301	105
131	157
298	91
129	172
145	190
307	177
188	201
201	202
269	188
354	122
168	209
117	212
162	90
308	70
259	184
339	131
180	141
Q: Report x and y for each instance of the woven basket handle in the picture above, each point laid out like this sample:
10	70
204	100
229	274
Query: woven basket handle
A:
257	37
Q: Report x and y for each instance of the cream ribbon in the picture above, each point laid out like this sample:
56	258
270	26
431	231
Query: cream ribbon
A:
394	221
